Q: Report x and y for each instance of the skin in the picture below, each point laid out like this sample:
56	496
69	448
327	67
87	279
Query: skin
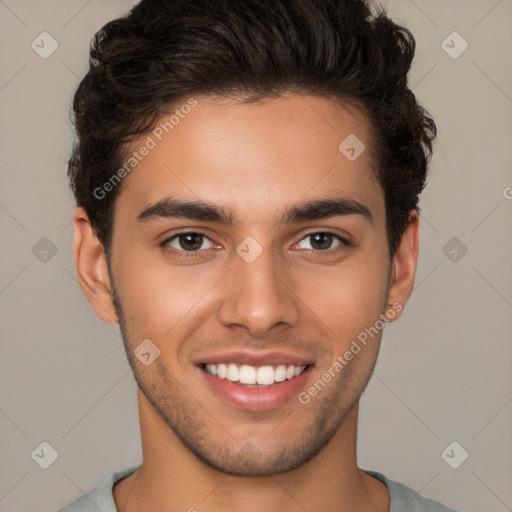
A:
255	160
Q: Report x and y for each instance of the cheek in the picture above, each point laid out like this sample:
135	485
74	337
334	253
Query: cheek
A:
348	299
157	296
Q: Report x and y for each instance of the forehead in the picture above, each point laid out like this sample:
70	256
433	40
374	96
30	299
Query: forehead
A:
254	157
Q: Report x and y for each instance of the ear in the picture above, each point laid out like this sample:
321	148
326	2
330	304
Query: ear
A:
403	267
91	267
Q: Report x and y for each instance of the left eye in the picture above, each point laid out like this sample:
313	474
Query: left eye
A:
188	242
322	241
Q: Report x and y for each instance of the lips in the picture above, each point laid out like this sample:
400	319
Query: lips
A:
255	381
256	359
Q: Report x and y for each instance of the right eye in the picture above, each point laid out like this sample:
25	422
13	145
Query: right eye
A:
187	242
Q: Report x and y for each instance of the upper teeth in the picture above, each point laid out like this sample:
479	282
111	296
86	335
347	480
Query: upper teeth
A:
245	374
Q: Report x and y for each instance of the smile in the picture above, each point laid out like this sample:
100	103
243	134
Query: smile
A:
254	376
255	388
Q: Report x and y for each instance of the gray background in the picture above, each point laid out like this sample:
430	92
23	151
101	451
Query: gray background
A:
444	369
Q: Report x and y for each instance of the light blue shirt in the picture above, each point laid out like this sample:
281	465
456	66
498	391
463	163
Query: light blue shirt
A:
403	498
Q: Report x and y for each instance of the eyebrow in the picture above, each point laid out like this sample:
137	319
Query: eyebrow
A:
319	209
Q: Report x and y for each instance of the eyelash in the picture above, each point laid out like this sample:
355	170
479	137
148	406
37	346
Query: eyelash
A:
193	254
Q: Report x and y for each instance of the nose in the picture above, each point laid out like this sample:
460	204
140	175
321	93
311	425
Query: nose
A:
258	296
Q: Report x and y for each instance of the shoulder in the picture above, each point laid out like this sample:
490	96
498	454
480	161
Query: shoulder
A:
100	498
405	499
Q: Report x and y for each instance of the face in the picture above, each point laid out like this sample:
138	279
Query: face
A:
248	247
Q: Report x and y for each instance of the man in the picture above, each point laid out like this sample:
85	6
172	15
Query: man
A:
247	175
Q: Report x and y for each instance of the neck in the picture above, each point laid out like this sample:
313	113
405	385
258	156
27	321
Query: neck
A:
172	478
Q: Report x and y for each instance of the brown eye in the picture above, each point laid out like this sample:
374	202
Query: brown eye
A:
189	242
323	241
